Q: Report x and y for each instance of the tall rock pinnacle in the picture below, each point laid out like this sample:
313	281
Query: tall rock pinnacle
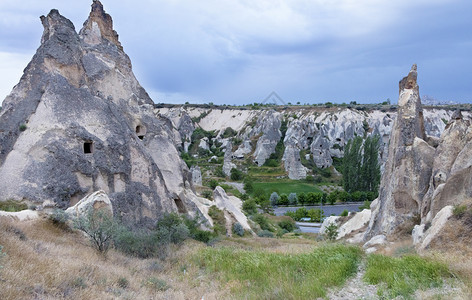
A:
408	168
98	26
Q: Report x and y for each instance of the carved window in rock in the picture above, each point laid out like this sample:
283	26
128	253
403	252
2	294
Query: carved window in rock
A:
180	206
88	147
140	131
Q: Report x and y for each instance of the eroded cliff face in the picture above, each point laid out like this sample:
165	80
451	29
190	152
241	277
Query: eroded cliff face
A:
423	174
89	126
316	134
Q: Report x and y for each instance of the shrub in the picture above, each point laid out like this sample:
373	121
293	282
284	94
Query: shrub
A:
263	221
123	282
459	210
274	199
238	229
236	174
213	184
248	187
344	213
250	206
156	284
99	226
171	229
219	221
283	200
292	199
207	194
142	244
287	225
12	206
229	132
22	127
331	231
59	218
203	236
265	233
219	173
365	205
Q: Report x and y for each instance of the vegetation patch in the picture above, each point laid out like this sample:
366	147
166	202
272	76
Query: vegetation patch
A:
403	276
263	275
12	206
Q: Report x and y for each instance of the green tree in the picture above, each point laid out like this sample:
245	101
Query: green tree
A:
361	168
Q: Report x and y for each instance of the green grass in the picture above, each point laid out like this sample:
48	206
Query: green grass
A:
286	187
403	276
263	275
12	206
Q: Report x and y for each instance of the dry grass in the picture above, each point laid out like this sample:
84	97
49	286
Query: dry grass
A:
51	263
54	264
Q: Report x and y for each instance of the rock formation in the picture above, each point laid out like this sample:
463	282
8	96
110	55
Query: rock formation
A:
407	171
79	121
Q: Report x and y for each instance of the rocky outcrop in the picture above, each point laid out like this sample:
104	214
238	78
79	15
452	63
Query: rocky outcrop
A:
292	163
24	215
422	239
232	207
227	164
268	124
96	201
357	222
78	121
408	169
196	175
451	173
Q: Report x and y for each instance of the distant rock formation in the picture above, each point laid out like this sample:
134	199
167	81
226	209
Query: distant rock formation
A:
78	121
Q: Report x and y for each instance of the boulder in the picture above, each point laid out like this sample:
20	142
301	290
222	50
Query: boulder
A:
96	201
378	240
327	221
435	229
231	205
357	222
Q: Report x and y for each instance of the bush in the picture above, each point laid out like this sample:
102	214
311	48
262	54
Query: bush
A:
250	206
171	229
203	236
22	127
213	184
142	244
219	221
459	210
248	187
156	284
265	233
207	194
12	206
236	174
219	172
59	218
123	282
283	200
229	132
344	213
292	199
288	225
99	226
263	222
274	199
331	231
238	229
365	205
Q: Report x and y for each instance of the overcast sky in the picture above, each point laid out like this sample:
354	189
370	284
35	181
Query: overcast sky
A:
239	51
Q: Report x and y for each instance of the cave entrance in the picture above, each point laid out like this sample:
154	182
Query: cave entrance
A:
88	147
180	206
140	131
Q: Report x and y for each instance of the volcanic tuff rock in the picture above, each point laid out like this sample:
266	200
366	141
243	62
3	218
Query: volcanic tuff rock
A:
321	133
89	126
408	169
